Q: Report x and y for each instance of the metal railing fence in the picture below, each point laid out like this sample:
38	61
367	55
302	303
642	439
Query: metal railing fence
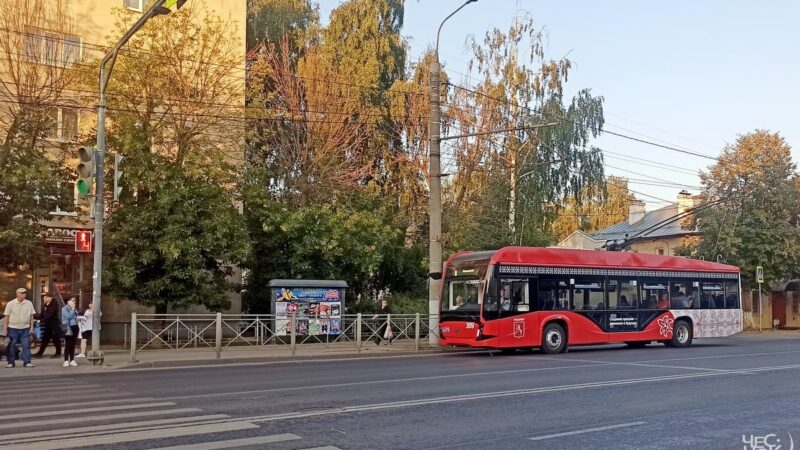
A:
218	331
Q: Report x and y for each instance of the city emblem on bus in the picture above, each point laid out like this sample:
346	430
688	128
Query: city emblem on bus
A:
519	328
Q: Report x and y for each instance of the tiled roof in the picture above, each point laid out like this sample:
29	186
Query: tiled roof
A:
624	229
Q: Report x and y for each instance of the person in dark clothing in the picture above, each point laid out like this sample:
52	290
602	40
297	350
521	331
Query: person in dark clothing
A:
384	332
51	326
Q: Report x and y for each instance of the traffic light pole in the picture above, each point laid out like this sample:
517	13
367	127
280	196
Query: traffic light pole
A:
106	67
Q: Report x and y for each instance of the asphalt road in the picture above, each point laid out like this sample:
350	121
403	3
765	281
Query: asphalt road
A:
706	396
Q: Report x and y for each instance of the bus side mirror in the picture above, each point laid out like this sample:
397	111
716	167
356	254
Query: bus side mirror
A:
435	275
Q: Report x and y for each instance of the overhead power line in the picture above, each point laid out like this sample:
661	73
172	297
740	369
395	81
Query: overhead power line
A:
564	119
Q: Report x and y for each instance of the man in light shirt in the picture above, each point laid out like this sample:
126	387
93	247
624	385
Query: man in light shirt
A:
18	326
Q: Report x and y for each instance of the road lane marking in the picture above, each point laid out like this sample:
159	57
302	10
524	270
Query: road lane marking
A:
49	400
587	430
737	355
16	417
136	436
92	403
33	436
591	363
366	358
655	366
327	447
34	394
79	418
385	381
233	443
475	396
518	392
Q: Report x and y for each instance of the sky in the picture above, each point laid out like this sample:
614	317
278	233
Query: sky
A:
687	74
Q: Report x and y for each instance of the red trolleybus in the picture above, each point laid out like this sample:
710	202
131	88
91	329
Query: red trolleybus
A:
522	297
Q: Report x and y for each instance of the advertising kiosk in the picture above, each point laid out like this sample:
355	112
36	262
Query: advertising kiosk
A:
317	304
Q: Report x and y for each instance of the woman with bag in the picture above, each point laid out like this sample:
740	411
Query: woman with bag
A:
69	326
384	333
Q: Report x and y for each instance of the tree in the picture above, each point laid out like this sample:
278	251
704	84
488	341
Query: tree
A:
36	68
176	96
598	208
314	241
305	132
756	222
176	113
178	247
268	21
508	187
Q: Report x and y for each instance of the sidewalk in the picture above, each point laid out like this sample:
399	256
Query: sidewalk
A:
118	359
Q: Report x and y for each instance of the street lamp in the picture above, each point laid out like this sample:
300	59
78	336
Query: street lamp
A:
435	202
159	7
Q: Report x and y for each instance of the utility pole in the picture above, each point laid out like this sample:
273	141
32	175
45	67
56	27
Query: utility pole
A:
435	202
106	67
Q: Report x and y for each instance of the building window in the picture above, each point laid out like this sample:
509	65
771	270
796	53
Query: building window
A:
64	124
52	49
136	5
659	251
67	199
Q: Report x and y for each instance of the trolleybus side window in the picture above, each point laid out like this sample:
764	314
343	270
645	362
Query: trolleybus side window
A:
513	297
654	294
588	293
622	293
731	294
713	294
683	294
553	294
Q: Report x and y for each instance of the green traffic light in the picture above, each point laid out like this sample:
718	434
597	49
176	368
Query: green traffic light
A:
83	187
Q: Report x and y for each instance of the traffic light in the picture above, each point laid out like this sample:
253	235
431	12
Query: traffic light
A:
86	170
83	241
117	176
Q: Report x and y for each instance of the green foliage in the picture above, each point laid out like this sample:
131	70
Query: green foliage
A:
176	248
271	20
408	303
757	222
29	191
319	241
509	187
594	208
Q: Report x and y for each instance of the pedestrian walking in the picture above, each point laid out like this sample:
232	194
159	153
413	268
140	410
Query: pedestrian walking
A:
3	337
384	333
69	325
50	322
86	322
18	326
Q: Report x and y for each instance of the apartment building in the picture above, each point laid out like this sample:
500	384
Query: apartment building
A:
71	35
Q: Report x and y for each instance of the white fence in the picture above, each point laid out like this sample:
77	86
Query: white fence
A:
221	331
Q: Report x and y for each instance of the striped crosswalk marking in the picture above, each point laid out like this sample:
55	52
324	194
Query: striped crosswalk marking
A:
114	401
143	424
233	443
16	417
133	436
131	415
115	417
48	400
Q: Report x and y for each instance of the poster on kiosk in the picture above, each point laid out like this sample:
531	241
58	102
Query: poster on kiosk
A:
318	305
